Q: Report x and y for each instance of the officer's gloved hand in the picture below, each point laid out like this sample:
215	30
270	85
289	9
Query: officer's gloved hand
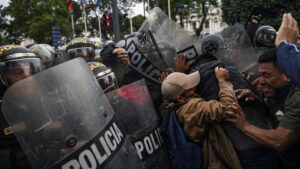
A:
122	55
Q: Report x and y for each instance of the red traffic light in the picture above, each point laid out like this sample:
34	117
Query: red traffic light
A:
107	23
106	18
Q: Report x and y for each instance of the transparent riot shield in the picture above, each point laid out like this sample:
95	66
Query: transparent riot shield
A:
62	119
159	39
134	108
237	50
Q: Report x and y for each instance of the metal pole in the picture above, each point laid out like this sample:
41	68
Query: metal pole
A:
72	21
148	6
169	8
131	28
99	25
144	8
116	24
85	26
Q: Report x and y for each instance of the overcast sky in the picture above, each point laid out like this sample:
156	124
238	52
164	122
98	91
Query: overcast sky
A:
4	2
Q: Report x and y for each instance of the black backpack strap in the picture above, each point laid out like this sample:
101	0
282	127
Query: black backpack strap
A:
212	143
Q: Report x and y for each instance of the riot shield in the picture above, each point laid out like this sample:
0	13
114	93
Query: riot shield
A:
237	50
159	39
133	106
62	119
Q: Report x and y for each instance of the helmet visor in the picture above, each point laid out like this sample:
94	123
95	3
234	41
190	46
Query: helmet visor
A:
107	80
84	52
13	71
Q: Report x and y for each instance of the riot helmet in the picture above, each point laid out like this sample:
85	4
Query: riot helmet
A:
45	52
265	36
81	47
212	44
104	75
17	63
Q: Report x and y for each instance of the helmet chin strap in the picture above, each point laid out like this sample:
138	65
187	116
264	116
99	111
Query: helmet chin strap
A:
109	88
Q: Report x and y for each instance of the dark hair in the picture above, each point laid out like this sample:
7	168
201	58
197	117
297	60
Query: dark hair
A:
269	56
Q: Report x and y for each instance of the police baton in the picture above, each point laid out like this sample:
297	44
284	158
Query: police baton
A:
145	75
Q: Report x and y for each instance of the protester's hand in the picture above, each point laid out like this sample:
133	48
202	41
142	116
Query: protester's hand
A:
221	74
181	63
122	55
246	94
256	82
163	75
288	30
236	116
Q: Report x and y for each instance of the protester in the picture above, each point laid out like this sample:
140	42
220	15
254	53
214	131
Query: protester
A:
198	115
251	154
288	52
284	138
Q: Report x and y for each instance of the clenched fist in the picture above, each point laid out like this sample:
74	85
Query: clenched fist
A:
221	74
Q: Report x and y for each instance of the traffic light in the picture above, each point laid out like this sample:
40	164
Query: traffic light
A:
106	18
123	18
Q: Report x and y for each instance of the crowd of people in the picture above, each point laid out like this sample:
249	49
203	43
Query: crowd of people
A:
239	123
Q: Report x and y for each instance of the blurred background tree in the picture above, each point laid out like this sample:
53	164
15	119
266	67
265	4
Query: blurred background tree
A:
35	18
184	8
270	12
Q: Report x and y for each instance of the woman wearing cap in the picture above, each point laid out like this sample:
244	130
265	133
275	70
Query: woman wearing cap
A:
199	116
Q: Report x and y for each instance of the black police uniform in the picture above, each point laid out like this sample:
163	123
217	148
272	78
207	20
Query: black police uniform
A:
11	153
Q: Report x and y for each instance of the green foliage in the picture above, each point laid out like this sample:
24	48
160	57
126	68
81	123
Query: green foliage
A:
4	38
48	14
35	18
271	11
137	22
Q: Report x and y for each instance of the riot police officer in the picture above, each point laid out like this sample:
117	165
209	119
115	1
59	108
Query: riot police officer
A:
104	75
81	47
16	63
265	36
46	53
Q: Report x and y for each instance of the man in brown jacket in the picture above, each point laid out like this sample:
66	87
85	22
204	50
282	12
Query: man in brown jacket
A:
198	115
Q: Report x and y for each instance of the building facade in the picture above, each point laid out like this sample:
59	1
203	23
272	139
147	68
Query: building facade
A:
213	23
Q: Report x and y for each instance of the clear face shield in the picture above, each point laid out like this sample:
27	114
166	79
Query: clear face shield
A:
107	80
84	52
15	70
267	39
